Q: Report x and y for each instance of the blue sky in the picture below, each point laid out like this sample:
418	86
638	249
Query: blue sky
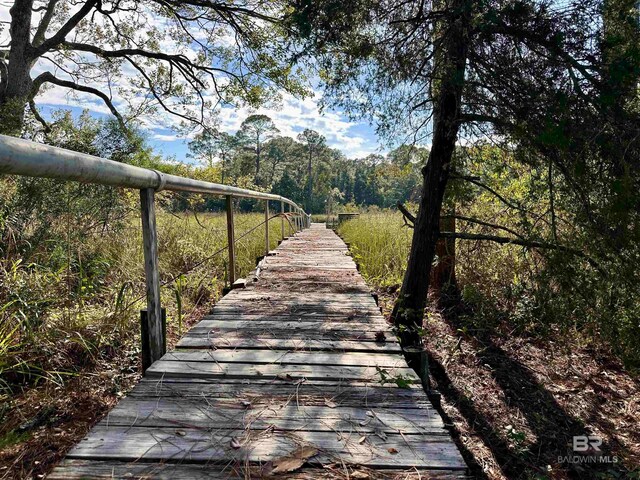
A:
291	116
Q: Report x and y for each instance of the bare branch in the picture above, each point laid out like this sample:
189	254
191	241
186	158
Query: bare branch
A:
48	77
523	243
476	182
61	34
38	117
38	37
482	222
409	219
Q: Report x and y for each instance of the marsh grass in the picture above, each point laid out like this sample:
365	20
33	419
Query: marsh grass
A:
61	315
379	243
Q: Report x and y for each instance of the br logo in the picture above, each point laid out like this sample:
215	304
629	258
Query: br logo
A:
582	443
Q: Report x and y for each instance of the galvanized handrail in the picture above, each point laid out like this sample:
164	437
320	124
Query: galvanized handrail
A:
22	157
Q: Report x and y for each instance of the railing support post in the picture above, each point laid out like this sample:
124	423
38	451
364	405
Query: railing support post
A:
282	219
154	332
266	227
231	240
145	326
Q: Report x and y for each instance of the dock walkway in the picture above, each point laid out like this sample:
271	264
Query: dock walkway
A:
296	376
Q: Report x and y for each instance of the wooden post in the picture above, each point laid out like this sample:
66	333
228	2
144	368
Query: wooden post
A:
155	338
282	219
147	358
231	240
266	227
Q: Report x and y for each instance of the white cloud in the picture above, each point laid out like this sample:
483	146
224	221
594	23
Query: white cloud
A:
166	138
291	115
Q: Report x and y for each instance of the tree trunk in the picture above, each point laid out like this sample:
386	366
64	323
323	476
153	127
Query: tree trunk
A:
15	91
309	181
619	50
409	308
255	180
443	274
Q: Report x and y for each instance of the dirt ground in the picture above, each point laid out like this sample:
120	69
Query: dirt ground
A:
514	403
41	423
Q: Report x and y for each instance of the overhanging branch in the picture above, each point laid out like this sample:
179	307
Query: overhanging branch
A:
409	219
36	114
482	222
61	34
523	243
48	77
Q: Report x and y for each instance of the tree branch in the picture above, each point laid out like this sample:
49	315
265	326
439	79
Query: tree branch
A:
523	243
409	219
38	37
38	117
48	77
61	34
476	182
482	222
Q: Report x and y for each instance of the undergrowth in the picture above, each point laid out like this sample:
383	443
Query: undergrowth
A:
507	289
73	302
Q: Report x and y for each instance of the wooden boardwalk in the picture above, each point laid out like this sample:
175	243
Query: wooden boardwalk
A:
295	376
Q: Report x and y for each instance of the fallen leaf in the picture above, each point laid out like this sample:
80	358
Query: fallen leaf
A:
381	337
362	439
359	475
330	403
392	450
182	433
294	460
235	443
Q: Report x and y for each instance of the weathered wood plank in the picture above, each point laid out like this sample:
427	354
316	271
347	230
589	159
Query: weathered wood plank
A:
114	470
284	357
287	416
265	391
167	369
194	445
294	344
294	326
346	316
300	333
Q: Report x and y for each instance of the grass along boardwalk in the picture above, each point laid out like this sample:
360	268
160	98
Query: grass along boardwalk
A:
297	375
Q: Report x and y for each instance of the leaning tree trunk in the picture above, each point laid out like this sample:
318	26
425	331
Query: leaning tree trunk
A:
16	84
443	274
448	85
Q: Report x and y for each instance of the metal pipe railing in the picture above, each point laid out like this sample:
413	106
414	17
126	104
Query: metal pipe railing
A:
22	157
